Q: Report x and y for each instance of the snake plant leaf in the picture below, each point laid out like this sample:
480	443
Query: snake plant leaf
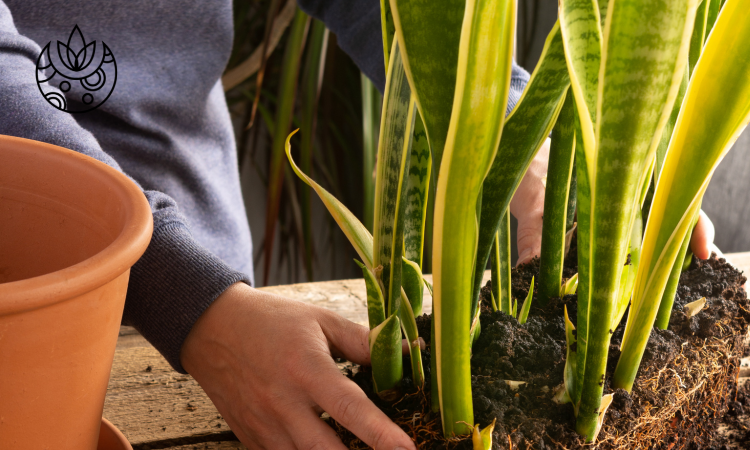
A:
494	305
650	39
481	95
413	285
715	111
583	192
699	34
581	29
388	29
714	8
526	129
569	287
666	136
385	358
560	169
394	144
524	314
429	32
420	168
670	290
476	328
514	311
409	325
482	439
375	301
429	287
434	393
604	406
358	236
571	372
500	265
629	270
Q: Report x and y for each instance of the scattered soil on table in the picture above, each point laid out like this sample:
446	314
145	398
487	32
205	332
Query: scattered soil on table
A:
693	354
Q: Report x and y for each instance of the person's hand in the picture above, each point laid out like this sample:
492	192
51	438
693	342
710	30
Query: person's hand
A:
527	206
267	364
702	240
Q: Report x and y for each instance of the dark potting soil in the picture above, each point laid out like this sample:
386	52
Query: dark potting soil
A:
534	353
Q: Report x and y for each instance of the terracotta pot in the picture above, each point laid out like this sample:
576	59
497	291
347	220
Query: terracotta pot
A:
70	229
110	438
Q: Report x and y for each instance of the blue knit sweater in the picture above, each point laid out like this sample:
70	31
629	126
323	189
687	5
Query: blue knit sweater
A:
167	126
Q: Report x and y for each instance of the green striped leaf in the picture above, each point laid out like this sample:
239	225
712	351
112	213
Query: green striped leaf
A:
409	325
560	169
482	439
629	270
398	116
644	50
375	301
526	307
526	129
500	265
385	358
353	229
715	111
388	29
420	168
571	359
429	32
482	84
413	285
581	29
670	290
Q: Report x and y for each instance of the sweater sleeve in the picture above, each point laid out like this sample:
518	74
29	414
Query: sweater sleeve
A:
176	279
356	24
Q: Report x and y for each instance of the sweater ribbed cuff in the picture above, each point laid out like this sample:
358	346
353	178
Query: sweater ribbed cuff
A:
172	284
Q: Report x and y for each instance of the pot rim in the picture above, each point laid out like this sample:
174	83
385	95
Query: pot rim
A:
97	270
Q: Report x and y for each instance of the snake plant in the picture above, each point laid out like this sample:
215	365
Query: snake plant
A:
629	93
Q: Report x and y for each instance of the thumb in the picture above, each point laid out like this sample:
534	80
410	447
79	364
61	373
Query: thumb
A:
702	240
529	237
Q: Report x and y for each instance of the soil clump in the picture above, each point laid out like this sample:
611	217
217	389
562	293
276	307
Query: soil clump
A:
678	398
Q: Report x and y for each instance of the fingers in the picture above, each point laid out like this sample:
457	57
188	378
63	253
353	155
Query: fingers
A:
528	206
701	242
347	339
346	403
529	238
310	432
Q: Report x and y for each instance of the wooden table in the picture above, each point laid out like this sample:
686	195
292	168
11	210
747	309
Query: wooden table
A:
158	408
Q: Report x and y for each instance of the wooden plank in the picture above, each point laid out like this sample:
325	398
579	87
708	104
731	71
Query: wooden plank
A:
234	445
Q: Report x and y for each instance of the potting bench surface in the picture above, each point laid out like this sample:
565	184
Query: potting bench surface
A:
158	408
